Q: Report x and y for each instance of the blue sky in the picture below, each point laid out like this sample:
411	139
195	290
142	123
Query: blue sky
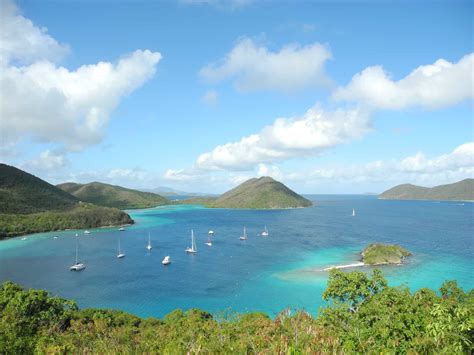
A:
210	73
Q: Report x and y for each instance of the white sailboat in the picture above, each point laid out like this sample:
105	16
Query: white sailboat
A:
264	232
353	212
209	241
244	236
77	265
193	248
149	247
121	229
166	260
120	255
87	232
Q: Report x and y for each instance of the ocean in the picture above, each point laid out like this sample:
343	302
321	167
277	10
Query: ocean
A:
268	274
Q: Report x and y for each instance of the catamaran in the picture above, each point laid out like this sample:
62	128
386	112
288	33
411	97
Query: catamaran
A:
193	248
353	212
244	236
264	232
77	266
166	260
120	255
149	243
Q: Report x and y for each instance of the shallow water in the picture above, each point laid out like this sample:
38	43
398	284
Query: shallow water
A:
260	274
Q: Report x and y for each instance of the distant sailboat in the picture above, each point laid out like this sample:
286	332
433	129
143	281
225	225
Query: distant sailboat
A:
209	241
166	260
87	232
120	255
193	248
77	266
149	243
244	236
264	232
353	212
210	233
121	229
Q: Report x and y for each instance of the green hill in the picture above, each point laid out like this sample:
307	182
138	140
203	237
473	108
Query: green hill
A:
21	192
459	191
30	205
258	193
113	196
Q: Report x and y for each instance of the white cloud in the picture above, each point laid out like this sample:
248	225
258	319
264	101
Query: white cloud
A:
21	40
50	103
354	178
210	97
47	160
254	67
417	169
315	131
432	86
461	157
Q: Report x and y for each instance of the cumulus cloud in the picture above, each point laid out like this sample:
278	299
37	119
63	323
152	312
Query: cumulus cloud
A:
47	160
418	169
210	97
431	86
50	103
310	134
254	67
21	40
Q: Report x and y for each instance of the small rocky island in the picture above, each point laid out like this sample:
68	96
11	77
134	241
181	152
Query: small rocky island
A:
383	254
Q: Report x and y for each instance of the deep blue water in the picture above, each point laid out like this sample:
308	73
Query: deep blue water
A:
260	274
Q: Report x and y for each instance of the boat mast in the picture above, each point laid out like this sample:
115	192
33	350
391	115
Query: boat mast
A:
77	249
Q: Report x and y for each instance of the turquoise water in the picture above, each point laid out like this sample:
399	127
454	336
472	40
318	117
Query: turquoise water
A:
260	274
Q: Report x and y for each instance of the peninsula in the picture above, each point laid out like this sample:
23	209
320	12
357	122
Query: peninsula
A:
459	191
256	193
31	205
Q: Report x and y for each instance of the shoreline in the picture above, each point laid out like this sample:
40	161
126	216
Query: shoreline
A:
345	266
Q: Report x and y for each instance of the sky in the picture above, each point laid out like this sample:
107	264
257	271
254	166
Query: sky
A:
200	95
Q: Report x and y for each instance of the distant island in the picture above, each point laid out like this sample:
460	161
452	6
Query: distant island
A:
382	254
31	205
256	193
113	196
459	191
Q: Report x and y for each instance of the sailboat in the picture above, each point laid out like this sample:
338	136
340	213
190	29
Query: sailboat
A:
193	248
244	236
121	229
264	232
353	212
77	266
149	243
209	241
87	232
120	255
166	260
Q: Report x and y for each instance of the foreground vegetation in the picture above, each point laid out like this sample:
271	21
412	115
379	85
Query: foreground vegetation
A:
113	196
363	315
